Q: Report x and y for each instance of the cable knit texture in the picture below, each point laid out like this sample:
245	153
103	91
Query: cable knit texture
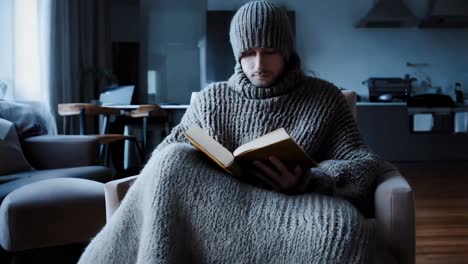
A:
184	209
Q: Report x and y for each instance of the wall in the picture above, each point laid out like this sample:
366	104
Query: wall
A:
333	49
174	31
125	20
6	44
171	36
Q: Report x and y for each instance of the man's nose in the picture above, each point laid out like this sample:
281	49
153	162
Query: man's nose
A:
259	61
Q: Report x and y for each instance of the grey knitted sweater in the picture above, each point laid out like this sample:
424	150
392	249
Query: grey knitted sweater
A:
184	209
312	110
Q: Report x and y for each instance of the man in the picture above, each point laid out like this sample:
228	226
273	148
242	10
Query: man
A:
263	67
183	209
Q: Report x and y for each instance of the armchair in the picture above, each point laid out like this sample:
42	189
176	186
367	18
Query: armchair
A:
393	206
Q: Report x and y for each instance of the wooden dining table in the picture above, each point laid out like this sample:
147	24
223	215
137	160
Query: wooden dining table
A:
143	111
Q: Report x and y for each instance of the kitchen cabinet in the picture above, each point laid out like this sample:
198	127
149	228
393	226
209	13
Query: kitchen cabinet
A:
385	128
441	119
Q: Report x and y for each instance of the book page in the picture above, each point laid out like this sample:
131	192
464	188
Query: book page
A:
202	140
265	140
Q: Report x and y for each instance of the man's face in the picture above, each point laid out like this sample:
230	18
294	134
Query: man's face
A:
263	66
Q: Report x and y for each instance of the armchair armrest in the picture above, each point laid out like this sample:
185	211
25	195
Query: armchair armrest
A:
395	214
62	151
115	192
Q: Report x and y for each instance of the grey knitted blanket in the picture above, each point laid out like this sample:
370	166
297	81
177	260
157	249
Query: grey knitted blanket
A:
192	213
184	209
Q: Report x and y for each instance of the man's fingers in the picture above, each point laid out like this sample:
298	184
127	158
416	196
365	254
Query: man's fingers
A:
274	177
283	179
254	172
298	171
279	165
267	170
268	181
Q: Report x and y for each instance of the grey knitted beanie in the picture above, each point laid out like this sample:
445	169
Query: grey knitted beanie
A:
261	24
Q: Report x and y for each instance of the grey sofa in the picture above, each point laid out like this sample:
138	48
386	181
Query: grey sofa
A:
32	186
394	211
61	156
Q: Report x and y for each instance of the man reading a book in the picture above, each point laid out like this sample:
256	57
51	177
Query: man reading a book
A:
184	209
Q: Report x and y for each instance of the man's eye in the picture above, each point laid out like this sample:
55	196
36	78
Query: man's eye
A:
248	53
270	52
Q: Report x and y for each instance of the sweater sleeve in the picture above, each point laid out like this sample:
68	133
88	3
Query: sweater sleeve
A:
191	116
348	168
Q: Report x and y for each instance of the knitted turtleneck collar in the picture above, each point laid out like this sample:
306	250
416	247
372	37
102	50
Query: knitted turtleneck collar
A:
288	82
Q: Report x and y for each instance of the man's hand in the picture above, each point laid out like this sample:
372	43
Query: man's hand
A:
282	179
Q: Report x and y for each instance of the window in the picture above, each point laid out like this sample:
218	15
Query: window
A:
24	49
31	46
6	48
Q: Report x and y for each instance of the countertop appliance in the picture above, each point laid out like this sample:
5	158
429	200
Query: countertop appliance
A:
389	89
431	100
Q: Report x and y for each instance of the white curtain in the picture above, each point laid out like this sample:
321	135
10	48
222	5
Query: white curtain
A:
6	49
32	21
32	35
56	42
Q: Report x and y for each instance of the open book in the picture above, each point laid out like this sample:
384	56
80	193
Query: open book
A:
277	143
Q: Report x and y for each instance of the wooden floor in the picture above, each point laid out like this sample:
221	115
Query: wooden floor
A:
441	200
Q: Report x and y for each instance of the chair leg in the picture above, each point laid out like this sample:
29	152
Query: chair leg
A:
105	128
64	124
106	155
82	121
102	156
144	133
166	129
140	150
142	153
101	151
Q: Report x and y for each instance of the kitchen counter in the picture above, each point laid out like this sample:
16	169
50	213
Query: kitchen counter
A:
381	103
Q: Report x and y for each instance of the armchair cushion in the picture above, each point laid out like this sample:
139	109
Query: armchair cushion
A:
12	159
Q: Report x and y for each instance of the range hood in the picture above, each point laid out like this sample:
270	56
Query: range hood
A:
388	13
447	13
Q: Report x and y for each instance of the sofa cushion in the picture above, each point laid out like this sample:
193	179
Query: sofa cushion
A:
28	120
12	159
95	173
